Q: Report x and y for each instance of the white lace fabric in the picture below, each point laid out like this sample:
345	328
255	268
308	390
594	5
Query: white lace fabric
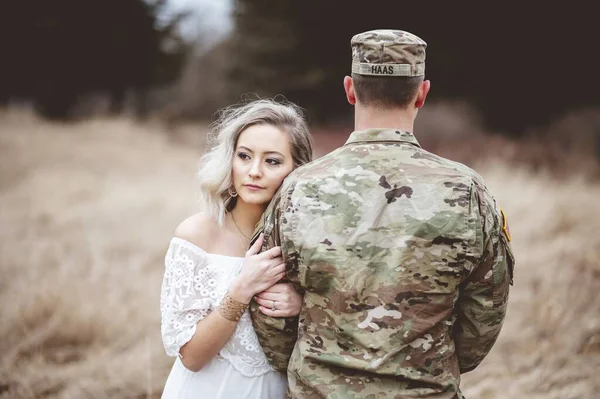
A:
194	284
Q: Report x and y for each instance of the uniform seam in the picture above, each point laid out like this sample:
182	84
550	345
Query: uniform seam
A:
293	223
363	142
472	239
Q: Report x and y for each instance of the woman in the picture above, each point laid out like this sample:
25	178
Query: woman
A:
211	276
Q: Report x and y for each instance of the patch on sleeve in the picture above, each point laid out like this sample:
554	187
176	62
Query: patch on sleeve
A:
505	227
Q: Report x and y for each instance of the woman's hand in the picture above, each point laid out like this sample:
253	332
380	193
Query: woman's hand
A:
259	272
281	300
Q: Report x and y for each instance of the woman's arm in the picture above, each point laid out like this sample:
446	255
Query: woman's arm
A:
215	330
212	333
259	272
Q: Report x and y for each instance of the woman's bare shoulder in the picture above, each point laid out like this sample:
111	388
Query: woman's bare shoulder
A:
199	229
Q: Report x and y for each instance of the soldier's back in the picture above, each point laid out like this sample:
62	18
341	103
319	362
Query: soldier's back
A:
384	234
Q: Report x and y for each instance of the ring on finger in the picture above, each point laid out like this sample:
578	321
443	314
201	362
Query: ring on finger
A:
273	307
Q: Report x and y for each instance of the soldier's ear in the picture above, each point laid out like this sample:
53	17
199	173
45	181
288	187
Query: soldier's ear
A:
422	93
349	89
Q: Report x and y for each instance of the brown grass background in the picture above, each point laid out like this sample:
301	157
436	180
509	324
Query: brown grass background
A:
87	211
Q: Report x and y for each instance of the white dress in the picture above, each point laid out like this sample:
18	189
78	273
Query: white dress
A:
194	284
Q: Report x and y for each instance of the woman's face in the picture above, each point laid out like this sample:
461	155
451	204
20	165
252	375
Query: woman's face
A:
261	161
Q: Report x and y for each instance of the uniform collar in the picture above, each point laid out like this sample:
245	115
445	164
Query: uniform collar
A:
382	135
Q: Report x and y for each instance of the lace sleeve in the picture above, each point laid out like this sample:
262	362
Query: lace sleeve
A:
188	293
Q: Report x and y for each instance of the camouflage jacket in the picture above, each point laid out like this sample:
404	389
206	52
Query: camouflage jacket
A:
405	264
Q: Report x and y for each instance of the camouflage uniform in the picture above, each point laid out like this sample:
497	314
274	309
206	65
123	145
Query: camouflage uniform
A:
405	268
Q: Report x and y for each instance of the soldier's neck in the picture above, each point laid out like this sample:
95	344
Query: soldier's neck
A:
373	118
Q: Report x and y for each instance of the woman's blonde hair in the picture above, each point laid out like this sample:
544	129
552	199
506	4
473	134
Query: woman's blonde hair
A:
216	165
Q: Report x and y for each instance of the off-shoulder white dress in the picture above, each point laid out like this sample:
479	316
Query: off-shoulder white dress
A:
194	284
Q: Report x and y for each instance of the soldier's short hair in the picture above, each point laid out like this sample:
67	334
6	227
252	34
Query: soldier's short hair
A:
386	92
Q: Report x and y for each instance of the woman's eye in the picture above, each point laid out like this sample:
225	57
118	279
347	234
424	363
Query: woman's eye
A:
273	161
243	155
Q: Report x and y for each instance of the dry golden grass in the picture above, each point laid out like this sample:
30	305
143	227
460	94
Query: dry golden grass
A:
86	213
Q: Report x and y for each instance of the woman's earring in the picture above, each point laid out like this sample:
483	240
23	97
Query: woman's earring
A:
233	193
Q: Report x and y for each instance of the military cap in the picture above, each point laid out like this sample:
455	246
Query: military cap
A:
387	52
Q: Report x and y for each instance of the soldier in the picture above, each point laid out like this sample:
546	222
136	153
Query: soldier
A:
403	256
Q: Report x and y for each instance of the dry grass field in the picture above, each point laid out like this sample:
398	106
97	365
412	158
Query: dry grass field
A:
86	214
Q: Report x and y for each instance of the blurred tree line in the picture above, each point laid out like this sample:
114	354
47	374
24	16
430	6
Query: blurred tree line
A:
520	64
56	52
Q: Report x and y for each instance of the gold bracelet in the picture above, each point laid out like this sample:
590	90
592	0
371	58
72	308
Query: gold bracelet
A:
231	309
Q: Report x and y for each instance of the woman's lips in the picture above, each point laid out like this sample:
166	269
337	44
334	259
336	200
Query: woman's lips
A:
252	187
